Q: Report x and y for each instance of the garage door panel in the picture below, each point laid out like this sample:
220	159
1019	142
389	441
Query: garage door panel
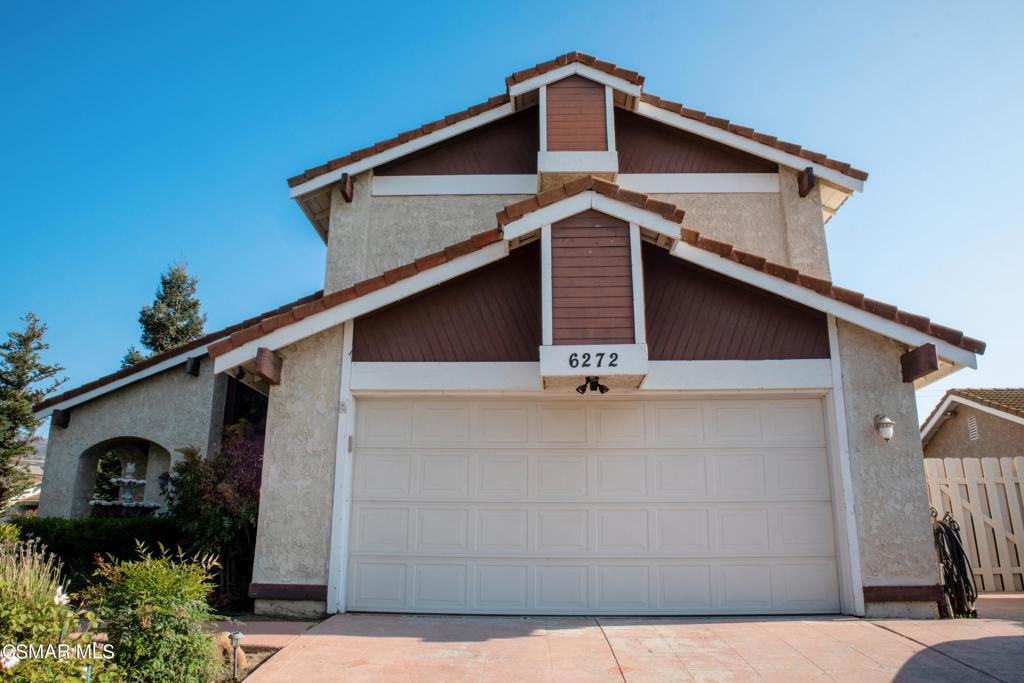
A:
592	506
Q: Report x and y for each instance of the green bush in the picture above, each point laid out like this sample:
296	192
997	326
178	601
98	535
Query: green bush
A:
9	533
156	615
77	542
35	610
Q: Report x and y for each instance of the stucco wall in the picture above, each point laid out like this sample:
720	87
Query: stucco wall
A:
373	234
890	498
294	532
997	437
172	409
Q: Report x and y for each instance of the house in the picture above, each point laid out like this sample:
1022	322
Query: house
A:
976	423
26	502
577	352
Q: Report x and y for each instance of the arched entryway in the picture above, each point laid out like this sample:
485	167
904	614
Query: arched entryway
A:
121	477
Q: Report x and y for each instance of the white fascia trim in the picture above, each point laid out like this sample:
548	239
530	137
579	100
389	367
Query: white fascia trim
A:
739	142
820	302
845	516
401	150
492	376
341	506
546	305
709	183
972	404
590	200
417	185
124	381
726	375
349	310
636	268
572	162
570	69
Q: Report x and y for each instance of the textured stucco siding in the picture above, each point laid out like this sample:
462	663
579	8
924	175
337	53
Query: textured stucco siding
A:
890	497
172	409
294	531
997	437
373	234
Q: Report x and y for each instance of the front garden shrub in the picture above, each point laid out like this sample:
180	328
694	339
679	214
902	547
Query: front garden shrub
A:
156	615
9	533
37	612
77	542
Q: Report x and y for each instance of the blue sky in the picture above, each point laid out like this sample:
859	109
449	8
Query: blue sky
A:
136	134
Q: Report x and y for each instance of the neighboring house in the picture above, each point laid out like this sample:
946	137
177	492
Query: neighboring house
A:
26	502
427	445
976	423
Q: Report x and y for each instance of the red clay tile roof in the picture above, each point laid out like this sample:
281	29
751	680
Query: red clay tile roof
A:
751	134
160	357
544	67
569	58
1007	400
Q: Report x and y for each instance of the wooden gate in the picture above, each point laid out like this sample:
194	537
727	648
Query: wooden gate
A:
986	497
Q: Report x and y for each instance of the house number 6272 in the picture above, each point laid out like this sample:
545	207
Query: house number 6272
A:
594	360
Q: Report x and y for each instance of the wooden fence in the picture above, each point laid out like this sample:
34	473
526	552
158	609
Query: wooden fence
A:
986	497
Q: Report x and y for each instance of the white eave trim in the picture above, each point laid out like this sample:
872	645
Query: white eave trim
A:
950	398
124	381
487	376
418	185
738	375
571	206
362	305
857	316
571	69
739	142
401	150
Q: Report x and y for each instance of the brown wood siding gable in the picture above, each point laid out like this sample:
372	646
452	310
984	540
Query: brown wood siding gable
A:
694	314
576	116
591	280
490	314
646	146
507	146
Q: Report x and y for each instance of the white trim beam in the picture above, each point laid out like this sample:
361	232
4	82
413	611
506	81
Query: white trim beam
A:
708	183
609	117
826	304
739	142
542	105
637	271
573	162
570	69
431	377
419	185
738	375
341	511
546	304
845	516
289	334
401	150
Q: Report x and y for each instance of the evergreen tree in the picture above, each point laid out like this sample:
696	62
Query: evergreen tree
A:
131	357
174	318
24	381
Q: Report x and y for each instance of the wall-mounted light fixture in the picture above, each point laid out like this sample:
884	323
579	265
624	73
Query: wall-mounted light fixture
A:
593	384
885	427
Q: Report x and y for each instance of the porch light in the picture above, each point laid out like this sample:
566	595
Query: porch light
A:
593	384
885	427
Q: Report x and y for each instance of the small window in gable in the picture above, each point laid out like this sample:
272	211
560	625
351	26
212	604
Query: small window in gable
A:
972	429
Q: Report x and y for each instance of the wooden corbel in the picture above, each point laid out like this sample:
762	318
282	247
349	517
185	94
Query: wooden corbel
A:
268	365
61	418
805	181
347	187
919	362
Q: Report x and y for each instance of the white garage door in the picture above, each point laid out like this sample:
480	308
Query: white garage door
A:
591	506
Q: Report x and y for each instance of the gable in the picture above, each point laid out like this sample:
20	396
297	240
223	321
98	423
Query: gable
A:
506	146
489	314
994	436
576	116
646	146
695	314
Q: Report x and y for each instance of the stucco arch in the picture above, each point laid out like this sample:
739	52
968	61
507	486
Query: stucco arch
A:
151	459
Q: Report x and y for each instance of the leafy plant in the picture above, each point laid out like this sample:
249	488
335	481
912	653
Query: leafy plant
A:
156	615
9	533
35	609
108	468
215	502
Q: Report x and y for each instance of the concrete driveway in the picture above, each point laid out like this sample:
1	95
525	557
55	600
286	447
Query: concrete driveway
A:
427	649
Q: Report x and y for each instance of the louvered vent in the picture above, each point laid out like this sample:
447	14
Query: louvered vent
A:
972	429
